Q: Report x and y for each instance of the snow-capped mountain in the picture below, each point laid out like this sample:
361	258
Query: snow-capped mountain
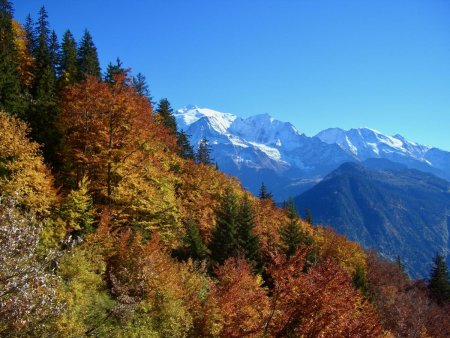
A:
368	143
262	149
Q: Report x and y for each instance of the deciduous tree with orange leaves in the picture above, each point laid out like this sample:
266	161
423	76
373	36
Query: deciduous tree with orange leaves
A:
112	138
318	303
243	303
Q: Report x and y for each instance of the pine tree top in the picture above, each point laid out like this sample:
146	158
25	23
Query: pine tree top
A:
165	111
440	280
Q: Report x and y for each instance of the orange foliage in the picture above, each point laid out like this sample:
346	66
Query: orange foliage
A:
112	138
243	302
105	124
404	306
135	267
319	303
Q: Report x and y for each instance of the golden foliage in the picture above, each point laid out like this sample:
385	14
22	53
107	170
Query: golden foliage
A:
155	293
23	173
349	255
200	193
25	58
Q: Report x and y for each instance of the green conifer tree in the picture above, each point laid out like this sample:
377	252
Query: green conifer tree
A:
68	66
12	98
203	155
185	148
289	208
224	243
248	241
87	57
194	246
42	113
140	86
29	34
113	70
165	112
360	281
440	280
264	194
308	216
291	235
54	50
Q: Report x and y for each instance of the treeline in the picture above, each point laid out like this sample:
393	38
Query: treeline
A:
112	225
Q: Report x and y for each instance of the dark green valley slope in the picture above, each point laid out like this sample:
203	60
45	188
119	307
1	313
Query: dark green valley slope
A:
397	211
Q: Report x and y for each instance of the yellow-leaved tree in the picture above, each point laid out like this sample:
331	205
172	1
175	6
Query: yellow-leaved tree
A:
349	255
25	58
23	174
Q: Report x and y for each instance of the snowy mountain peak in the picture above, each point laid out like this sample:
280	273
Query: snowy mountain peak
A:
262	148
366	143
262	128
190	114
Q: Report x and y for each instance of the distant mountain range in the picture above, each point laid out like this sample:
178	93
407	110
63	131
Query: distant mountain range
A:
261	148
385	206
384	192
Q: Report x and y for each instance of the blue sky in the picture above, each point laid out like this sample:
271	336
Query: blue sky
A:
316	63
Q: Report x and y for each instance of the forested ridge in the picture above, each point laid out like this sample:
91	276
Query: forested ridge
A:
112	225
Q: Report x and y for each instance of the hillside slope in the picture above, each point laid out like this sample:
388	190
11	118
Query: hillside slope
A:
397	211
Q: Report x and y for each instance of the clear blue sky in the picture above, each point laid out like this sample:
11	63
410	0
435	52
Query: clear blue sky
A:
383	64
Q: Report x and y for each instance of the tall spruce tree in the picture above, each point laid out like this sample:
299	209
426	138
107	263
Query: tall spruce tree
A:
359	280
440	280
224	243
289	208
264	194
248	241
12	98
140	86
308	216
54	50
193	243
68	66
29	34
165	113
291	234
87	57
185	149
203	154
42	113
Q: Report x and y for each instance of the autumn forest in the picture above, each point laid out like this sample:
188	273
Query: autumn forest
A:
113	225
